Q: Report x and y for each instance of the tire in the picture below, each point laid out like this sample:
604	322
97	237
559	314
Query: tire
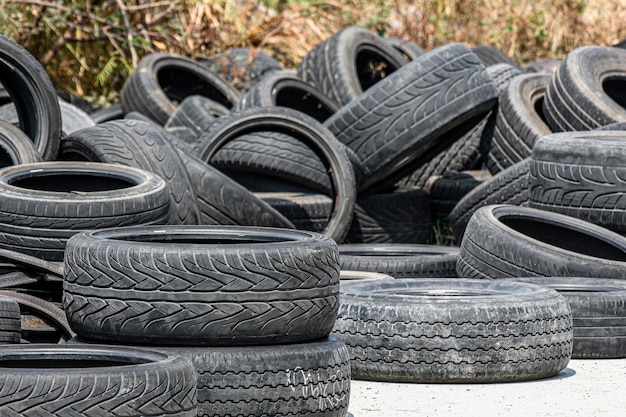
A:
390	138
410	50
581	174
490	55
504	241
10	325
276	155
286	89
597	313
586	91
447	190
141	145
310	132
242	67
30	263
193	116
298	379
108	113
15	147
454	331
72	118
223	201
507	187
33	96
520	121
59	380
467	152
549	66
400	260
43	204
201	285
401	216
348	63
161	80
305	210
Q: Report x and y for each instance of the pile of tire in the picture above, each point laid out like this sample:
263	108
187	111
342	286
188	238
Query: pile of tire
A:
211	217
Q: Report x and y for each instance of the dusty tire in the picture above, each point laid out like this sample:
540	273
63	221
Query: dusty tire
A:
10	325
60	380
43	204
452	91
454	330
508	241
33	96
490	55
192	117
583	175
348	63
15	147
160	80
400	260
305	129
203	285
142	145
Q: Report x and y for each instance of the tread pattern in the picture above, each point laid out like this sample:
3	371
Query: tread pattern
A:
305	379
507	187
397	336
141	145
202	293
433	95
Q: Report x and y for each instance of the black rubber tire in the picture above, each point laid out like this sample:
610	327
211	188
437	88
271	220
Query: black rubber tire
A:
308	130
161	81
305	210
201	285
466	153
286	89
409	50
587	90
275	155
491	55
33	95
348	63
221	200
447	190
10	325
72	118
504	241
242	67
43	204
142	145
399	216
24	262
549	66
414	113
97	380
583	175
449	330
597	313
507	187
520	121
193	116
400	260
297	379
15	147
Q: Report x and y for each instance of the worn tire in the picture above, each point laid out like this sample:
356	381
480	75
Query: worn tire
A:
586	90
142	145
10	325
454	330
33	96
349	62
193	116
161	80
504	241
60	380
597	313
413	114
203	285
309	131
400	260
583	175
15	147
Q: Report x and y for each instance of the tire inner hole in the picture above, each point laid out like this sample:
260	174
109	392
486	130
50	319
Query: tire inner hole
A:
178	84
72	183
372	66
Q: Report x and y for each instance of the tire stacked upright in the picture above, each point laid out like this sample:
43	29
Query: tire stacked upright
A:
251	307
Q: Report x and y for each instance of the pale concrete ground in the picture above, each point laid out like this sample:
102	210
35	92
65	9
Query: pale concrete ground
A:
586	388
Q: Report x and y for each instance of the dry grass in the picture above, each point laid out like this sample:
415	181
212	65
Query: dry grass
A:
89	47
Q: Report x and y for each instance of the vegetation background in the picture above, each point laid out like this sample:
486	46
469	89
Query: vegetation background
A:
88	47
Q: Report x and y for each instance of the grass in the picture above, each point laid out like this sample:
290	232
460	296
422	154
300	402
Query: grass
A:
89	48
